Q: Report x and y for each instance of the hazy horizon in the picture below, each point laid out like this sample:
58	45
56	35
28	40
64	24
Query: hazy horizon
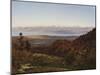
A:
51	31
34	14
49	27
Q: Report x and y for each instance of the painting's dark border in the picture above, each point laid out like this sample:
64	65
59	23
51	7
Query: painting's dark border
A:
48	3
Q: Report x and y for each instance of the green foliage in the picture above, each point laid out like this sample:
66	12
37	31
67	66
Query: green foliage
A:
70	57
47	60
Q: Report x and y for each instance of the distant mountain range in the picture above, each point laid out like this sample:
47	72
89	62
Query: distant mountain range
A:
51	31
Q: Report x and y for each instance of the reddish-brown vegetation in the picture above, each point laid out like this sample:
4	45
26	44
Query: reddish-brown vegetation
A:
70	55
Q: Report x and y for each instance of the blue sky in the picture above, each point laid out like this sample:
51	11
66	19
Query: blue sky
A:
30	14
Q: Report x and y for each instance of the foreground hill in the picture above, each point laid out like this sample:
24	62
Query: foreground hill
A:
87	40
80	52
85	49
60	47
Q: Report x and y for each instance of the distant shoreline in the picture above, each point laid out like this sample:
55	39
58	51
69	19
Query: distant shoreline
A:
47	37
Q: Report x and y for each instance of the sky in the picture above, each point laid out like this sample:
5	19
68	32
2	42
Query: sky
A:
34	14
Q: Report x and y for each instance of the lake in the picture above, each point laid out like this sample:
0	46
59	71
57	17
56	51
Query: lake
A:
51	31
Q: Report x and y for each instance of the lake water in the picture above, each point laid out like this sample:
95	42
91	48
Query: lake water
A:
51	31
